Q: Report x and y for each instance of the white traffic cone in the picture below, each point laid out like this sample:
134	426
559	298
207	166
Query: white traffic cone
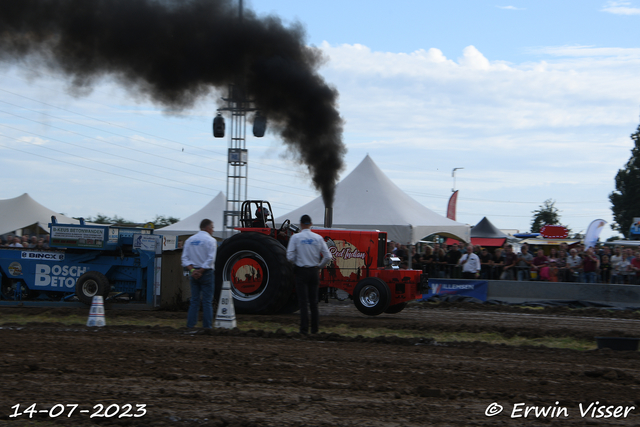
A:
96	314
226	316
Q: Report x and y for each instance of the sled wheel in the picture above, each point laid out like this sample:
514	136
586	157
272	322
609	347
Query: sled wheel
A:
371	296
260	275
91	284
11	287
396	308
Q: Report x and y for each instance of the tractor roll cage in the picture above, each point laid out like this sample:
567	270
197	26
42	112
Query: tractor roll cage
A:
259	220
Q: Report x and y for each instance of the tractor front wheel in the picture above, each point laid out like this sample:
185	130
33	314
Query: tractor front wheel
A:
371	296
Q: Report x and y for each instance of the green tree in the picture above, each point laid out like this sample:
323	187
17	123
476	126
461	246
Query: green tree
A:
625	200
162	221
100	219
116	220
546	214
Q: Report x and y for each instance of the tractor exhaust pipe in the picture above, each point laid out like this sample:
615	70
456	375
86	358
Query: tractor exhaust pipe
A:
328	217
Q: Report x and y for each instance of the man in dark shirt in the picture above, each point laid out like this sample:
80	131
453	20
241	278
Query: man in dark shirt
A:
452	258
485	262
510	260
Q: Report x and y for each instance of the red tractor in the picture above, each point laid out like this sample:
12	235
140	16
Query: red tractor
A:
255	263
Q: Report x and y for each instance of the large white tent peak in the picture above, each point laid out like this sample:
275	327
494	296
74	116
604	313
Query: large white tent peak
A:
24	212
214	210
367	199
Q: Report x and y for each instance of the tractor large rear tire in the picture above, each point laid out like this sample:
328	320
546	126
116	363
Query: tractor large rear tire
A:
260	275
291	306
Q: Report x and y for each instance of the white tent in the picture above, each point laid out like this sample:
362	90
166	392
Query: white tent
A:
368	200
24	212
214	210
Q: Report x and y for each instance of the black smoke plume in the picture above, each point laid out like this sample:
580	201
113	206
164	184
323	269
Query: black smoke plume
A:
176	51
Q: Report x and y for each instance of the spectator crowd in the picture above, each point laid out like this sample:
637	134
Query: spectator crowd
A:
29	242
603	264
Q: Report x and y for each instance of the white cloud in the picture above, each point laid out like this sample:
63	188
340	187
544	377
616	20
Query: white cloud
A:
620	8
472	58
510	8
587	90
555	128
32	140
586	51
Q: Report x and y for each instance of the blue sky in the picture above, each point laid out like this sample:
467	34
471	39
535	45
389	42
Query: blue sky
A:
506	31
534	99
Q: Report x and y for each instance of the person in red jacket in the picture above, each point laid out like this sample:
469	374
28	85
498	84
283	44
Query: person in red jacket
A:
590	266
540	264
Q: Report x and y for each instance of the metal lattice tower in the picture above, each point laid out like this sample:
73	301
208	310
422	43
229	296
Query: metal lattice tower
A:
237	157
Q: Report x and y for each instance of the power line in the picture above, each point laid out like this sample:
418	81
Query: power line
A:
466	199
117	145
100	151
182	144
111	165
104	163
94	169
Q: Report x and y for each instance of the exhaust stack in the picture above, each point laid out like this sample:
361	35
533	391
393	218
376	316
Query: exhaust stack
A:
328	217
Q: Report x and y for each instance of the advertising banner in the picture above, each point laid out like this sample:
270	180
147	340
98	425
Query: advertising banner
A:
70	236
593	232
451	207
469	288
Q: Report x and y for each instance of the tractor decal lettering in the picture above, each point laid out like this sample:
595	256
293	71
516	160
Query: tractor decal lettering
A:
346	254
58	276
348	263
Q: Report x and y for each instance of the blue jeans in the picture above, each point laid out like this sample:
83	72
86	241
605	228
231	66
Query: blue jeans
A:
201	290
590	277
523	274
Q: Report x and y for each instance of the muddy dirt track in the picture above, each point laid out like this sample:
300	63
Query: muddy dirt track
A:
253	378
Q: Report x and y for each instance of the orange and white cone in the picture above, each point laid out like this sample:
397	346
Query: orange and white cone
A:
226	316
96	314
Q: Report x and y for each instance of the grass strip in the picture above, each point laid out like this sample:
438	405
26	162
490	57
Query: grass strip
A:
342	329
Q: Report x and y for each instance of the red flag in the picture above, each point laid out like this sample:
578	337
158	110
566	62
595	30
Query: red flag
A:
451	209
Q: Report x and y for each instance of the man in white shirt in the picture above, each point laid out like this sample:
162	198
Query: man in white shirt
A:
470	264
309	253
199	256
574	265
616	260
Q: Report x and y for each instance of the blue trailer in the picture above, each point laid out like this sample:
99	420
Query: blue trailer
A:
84	261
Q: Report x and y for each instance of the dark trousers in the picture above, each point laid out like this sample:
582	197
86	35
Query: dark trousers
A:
307	284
